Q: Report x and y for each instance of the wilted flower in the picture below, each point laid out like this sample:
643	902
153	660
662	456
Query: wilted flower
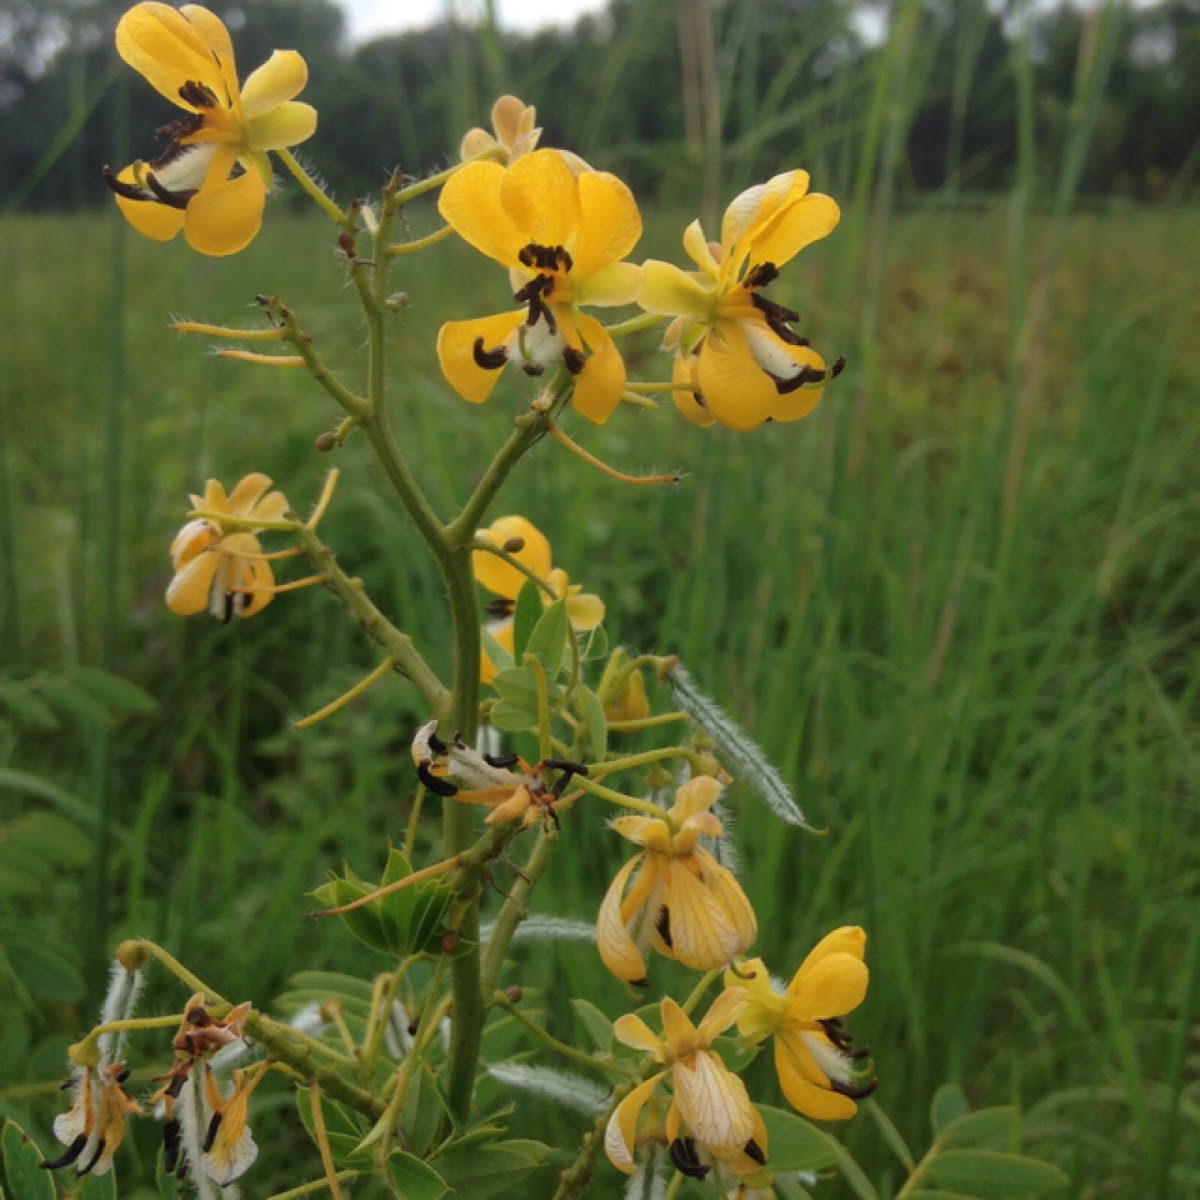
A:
818	1071
222	568
682	902
709	1106
229	1150
562	234
584	611
94	1126
733	345
186	55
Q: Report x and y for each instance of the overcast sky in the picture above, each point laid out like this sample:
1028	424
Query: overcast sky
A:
370	18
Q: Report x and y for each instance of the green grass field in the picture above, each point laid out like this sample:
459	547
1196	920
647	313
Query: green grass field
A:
957	607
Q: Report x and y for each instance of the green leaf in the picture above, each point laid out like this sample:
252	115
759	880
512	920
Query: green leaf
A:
512	718
27	1180
598	1026
44	966
344	1129
517	685
35	785
99	1187
412	1179
548	641
990	1128
501	659
168	1185
27	708
596	645
794	1144
71	698
423	1111
948	1105
481	1171
989	1173
526	613
120	695
926	1194
592	712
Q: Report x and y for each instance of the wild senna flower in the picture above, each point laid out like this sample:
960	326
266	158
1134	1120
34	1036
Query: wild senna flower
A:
94	1126
818	1071
584	611
220	567
186	55
562	234
515	132
682	902
709	1108
736	347
489	779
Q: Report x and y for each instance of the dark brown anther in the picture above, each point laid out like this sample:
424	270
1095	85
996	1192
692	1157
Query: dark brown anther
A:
326	441
514	545
73	1151
166	196
760	275
450	941
437	745
513	993
413	1026
644	982
175	131
805	377
84	1168
533	369
211	1135
838	367
489	360
127	191
438	786
499	607
663	925
198	1016
573	359
854	1093
754	1150
198	94
502	761
123	1077
171	1142
686	1161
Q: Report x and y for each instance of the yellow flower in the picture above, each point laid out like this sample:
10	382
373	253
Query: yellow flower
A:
513	120
709	1105
94	1126
682	901
221	568
187	56
736	347
562	234
229	1150
633	704
584	611
816	1066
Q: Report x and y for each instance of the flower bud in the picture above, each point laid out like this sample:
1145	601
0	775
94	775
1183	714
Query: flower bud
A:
325	441
133	954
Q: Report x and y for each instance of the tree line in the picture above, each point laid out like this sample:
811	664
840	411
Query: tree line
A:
660	88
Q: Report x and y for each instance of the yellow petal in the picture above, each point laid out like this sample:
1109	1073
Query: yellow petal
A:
475	141
690	403
796	405
610	224
755	208
702	934
724	885
630	1030
617	949
672	292
223	219
650	832
619	283
247	494
287	125
696	796
808	220
620	1135
505	634
736	390
832	987
599	386
722	1013
713	1102
158	221
500	577
678	1030
188	591
512	119
470	204
540	193
212	32
585	612
456	351
281	78
846	939
164	48
797	1071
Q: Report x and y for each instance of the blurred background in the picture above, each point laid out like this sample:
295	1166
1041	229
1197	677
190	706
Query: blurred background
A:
957	605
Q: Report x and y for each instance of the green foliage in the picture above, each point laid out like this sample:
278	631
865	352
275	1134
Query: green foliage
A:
23	1165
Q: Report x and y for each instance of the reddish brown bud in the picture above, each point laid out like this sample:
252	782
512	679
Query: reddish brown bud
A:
346	241
450	941
514	545
514	993
325	441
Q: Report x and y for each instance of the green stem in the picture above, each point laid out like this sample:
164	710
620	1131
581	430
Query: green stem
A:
513	911
550	1040
613	797
310	185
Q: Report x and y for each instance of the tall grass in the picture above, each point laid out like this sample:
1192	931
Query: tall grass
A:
956	606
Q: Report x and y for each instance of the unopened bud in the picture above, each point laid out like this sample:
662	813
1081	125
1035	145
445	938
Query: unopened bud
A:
132	954
450	941
514	545
326	441
85	1053
514	993
396	301
330	1010
346	241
